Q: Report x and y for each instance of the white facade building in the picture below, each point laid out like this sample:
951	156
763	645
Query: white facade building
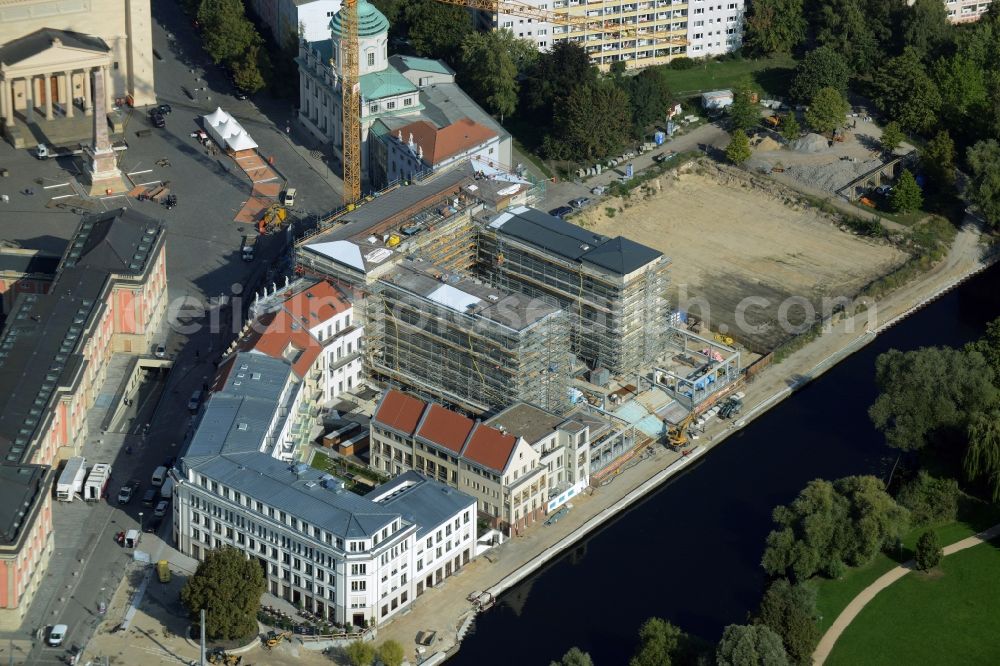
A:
963	11
287	18
715	27
348	558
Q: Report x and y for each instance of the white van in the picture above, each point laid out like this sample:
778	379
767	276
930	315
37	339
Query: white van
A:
159	476
289	197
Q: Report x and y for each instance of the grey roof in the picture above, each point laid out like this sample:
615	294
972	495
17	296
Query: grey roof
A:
41	343
618	255
511	310
28	262
528	421
41	40
421	500
19	486
405	63
445	103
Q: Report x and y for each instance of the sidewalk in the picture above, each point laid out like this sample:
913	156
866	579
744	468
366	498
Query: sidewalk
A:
885	580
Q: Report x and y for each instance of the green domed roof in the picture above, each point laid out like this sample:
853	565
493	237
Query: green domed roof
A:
370	21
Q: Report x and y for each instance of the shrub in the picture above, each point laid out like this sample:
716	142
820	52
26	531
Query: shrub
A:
930	499
928	551
682	63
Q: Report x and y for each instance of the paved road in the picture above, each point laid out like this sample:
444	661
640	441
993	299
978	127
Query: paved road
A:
705	137
885	580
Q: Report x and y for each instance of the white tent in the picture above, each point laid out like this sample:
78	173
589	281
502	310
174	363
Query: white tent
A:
227	131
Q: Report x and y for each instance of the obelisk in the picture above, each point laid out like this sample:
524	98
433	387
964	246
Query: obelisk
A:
101	171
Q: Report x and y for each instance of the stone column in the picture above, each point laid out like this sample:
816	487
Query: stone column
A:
109	97
7	96
47	82
29	99
88	103
68	102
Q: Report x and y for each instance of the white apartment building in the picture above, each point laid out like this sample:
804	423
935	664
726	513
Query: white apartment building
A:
714	27
963	11
311	324
502	471
348	558
287	18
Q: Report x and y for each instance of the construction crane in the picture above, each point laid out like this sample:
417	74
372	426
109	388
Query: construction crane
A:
350	88
513	8
677	436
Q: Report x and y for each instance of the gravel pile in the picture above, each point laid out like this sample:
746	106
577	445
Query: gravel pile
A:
810	143
832	176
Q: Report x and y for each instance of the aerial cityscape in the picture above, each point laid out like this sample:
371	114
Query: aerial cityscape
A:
384	332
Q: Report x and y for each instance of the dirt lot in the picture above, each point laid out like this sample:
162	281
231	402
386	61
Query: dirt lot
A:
730	241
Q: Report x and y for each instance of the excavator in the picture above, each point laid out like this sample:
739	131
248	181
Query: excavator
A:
677	436
274	638
272	219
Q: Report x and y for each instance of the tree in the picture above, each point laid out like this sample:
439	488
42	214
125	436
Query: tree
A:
228	587
790	128
360	653
844	26
790	611
226	32
929	552
892	136
937	160
750	645
391	653
982	458
555	75
775	26
743	112
984	179
929	499
906	195
659	640
925	27
248	69
592	123
489	70
738	150
927	391
823	67
437	29
650	98
904	91
827	110
574	657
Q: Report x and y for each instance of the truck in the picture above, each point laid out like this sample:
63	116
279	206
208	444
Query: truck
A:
167	489
97	482
249	243
71	479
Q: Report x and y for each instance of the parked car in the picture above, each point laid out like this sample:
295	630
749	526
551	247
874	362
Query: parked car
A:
883	190
127	492
157	119
288	196
663	157
161	509
560	212
42	151
57	634
164	109
579	202
239	93
153	526
149	497
598	190
195	402
160	351
169	462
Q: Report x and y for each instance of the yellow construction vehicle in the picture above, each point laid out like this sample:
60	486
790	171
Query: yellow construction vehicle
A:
677	436
272	219
724	339
219	656
274	638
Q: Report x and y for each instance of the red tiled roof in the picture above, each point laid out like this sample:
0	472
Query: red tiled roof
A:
316	304
281	336
445	428
440	144
490	448
399	411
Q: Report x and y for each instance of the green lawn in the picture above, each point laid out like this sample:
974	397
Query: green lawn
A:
771	75
833	595
946	616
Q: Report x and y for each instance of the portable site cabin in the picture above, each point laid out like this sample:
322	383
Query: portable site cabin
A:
97	482
71	479
717	99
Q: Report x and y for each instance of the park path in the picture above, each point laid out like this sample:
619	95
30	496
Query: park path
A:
885	580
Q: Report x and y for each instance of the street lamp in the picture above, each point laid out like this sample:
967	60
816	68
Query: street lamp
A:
140	521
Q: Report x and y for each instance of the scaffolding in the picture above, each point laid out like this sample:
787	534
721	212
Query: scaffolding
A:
465	356
617	322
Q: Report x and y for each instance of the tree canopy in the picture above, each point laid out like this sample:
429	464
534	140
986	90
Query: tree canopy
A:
937	160
790	612
649	96
590	124
827	110
906	195
556	74
924	27
227	586
489	69
360	653
738	150
391	653
984	179
574	657
892	136
659	640
436	29
905	92
743	112
750	645
928	554
822	67
775	26
832	524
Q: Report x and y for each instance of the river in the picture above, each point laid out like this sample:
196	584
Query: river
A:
691	552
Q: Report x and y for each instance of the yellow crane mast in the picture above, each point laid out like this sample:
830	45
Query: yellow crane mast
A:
562	18
350	86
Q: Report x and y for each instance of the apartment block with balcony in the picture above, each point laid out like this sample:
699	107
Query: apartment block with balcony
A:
965	11
715	27
503	472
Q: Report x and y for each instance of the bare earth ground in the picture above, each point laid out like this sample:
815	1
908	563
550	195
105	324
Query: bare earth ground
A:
729	242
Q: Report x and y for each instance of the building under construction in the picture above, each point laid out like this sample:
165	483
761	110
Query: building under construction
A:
613	289
448	336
